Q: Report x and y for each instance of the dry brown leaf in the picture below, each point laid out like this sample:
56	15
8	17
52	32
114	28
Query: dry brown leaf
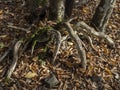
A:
90	70
68	64
3	36
106	51
86	10
113	26
35	58
89	55
108	71
30	75
1	11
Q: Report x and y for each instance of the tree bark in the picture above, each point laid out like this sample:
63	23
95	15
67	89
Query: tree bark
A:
57	10
102	14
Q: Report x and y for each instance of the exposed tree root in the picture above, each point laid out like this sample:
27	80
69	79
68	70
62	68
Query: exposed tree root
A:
19	28
77	40
8	51
15	59
81	27
58	43
89	40
91	31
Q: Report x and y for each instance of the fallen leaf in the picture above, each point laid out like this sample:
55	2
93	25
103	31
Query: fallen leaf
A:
1	11
2	45
113	26
86	10
30	75
108	71
35	58
3	36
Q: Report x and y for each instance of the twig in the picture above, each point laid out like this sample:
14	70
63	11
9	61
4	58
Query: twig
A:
77	40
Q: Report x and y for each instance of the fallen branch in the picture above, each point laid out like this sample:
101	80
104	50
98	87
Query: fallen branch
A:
81	51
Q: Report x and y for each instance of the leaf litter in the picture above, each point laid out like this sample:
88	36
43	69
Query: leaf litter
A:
103	69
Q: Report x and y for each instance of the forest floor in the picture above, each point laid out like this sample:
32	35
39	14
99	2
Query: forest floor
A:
103	67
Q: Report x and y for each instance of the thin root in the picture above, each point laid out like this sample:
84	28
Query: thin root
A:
79	47
58	43
15	58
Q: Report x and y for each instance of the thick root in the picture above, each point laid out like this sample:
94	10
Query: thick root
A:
79	47
91	31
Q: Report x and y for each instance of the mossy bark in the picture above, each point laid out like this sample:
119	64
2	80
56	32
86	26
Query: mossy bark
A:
56	10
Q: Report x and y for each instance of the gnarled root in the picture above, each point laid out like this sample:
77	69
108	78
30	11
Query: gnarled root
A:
57	36
91	31
79	47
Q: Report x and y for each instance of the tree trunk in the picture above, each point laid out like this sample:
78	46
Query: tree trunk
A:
68	7
57	9
102	14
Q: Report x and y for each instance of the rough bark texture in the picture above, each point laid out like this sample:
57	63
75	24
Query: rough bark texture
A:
57	9
102	14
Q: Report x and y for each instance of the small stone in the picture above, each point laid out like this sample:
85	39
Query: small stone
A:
51	81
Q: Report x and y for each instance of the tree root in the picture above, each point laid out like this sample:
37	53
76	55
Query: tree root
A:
8	51
86	30
81	51
19	28
91	31
58	43
15	59
89	40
